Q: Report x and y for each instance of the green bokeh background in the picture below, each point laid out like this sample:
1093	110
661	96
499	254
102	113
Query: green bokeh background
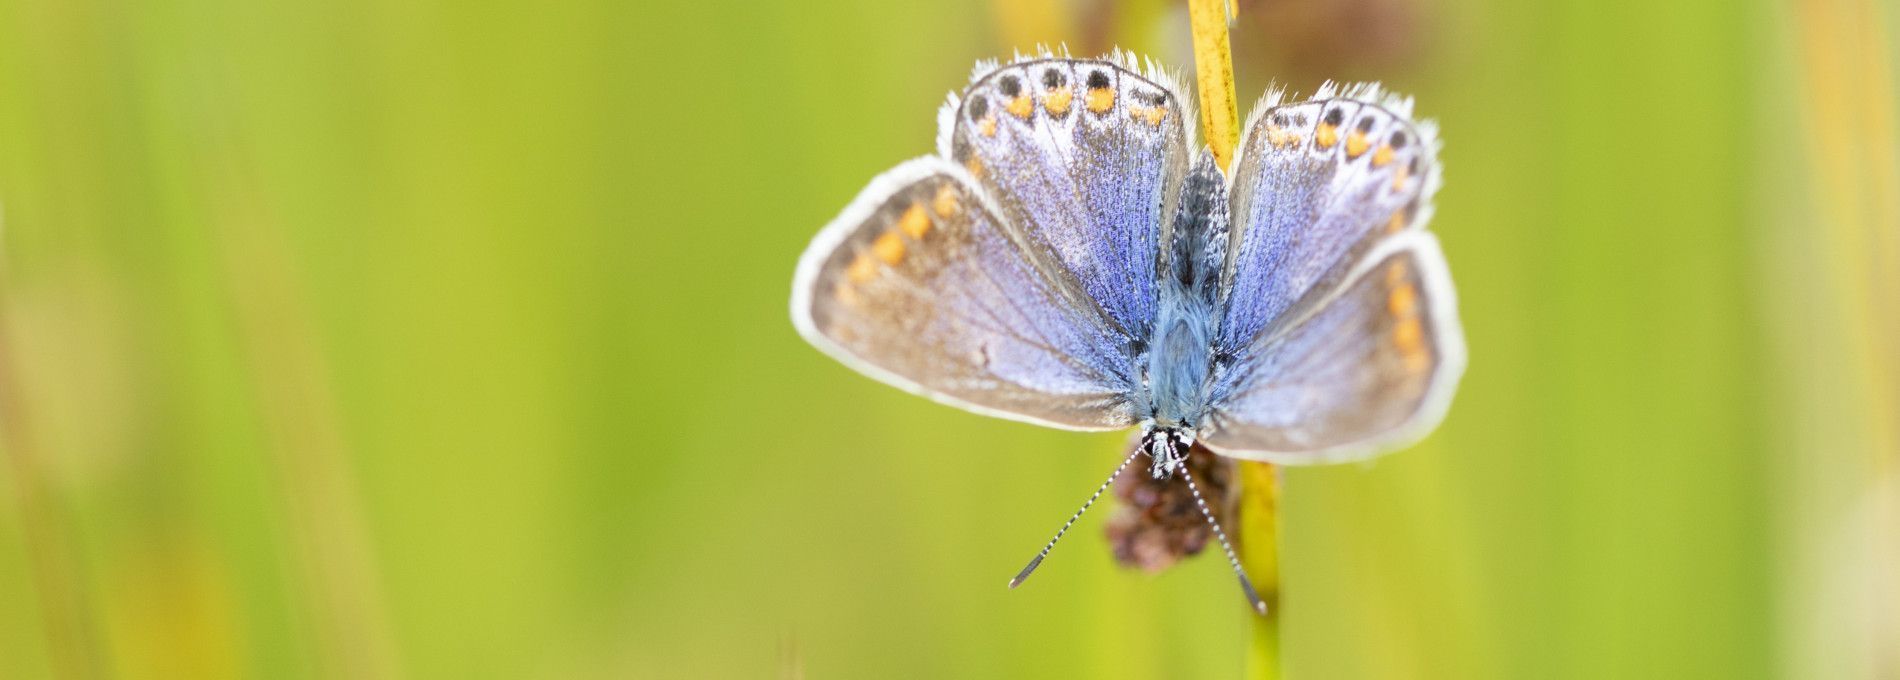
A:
449	340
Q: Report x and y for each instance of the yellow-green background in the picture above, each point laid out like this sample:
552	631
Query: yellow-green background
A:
449	340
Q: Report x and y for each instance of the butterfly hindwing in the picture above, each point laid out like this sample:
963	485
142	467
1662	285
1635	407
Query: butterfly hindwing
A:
920	283
1086	157
1369	367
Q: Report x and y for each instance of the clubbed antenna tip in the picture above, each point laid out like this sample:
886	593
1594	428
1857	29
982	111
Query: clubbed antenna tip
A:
1037	561
1025	572
1253	596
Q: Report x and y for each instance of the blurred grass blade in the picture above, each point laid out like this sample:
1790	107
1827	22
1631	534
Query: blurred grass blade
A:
1838	290
58	576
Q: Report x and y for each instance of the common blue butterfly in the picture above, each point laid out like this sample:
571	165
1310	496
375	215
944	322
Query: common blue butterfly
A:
1072	257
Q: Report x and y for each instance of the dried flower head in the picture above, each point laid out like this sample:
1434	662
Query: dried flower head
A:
1158	524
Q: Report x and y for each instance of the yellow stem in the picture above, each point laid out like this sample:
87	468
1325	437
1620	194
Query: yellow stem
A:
1214	75
1260	556
1259	482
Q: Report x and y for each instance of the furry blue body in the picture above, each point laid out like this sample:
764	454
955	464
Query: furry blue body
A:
1180	354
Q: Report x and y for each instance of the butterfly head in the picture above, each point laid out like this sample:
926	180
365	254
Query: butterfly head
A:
1166	447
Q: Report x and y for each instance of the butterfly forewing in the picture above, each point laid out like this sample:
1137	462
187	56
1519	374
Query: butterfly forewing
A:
1316	184
920	283
1086	158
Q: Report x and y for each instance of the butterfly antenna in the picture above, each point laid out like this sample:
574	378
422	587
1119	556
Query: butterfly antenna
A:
1072	518
1246	585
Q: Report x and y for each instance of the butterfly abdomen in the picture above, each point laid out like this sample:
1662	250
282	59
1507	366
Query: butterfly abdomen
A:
1199	247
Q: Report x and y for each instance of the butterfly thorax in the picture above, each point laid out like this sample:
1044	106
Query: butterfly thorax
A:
1181	350
1178	361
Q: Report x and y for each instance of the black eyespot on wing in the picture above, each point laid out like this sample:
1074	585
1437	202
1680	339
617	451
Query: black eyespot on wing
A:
1010	86
978	107
1151	98
1054	78
1398	140
1365	123
1098	79
1335	117
1279	119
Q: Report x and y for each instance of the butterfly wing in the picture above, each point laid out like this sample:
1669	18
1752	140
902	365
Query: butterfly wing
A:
1316	184
1087	157
1371	367
921	283
1339	335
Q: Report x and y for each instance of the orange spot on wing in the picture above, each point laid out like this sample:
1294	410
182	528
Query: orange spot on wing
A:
1058	100
1021	106
1397	222
987	126
913	222
1403	301
1409	337
1356	144
846	294
1382	156
1101	99
945	203
1152	114
974	165
1326	136
889	247
1408	332
1398	178
862	269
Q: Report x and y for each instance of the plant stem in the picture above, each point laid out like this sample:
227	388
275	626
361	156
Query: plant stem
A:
1214	75
1260	556
1259	482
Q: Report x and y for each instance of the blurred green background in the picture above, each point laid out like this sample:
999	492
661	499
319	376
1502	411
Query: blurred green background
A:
449	340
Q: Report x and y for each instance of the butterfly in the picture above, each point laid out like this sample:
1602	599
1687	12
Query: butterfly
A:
1072	257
